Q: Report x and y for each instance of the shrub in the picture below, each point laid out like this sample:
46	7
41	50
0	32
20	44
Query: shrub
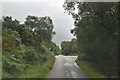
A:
11	68
11	40
30	55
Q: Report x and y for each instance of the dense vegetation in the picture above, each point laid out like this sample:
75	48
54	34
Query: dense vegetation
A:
96	30
27	46
69	47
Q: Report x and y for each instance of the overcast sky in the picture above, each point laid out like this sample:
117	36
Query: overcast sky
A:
63	22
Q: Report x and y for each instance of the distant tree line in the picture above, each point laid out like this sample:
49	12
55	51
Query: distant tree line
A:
96	30
69	47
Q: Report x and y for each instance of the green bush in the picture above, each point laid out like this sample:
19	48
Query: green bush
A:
13	69
24	47
11	40
6	65
30	55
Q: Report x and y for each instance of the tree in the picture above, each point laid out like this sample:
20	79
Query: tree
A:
43	26
69	47
54	48
8	23
65	47
97	33
28	36
27	44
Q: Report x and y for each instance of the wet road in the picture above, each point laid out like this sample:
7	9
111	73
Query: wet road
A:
65	67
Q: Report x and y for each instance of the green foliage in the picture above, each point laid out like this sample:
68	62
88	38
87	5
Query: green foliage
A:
26	35
11	65
54	48
25	45
11	40
8	23
66	47
30	55
38	71
89	69
42	26
69	47
97	33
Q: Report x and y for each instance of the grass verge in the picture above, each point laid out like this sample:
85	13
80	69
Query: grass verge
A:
72	55
89	70
39	71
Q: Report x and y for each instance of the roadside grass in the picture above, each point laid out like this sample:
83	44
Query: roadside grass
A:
73	54
89	70
39	71
6	75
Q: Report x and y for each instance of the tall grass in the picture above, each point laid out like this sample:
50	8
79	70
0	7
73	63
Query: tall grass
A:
74	54
39	71
89	70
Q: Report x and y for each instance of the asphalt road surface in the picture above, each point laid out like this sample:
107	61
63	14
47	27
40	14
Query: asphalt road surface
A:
65	67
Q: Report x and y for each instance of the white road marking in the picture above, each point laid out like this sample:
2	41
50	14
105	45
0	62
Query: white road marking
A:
76	65
75	62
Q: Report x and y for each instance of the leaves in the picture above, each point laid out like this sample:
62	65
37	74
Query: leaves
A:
96	25
26	44
69	47
11	40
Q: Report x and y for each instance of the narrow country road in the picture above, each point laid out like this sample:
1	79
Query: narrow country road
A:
65	67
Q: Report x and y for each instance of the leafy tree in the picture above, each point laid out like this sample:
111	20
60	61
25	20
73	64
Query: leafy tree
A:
69	47
54	48
26	44
30	55
43	26
31	21
97	33
9	23
27	35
